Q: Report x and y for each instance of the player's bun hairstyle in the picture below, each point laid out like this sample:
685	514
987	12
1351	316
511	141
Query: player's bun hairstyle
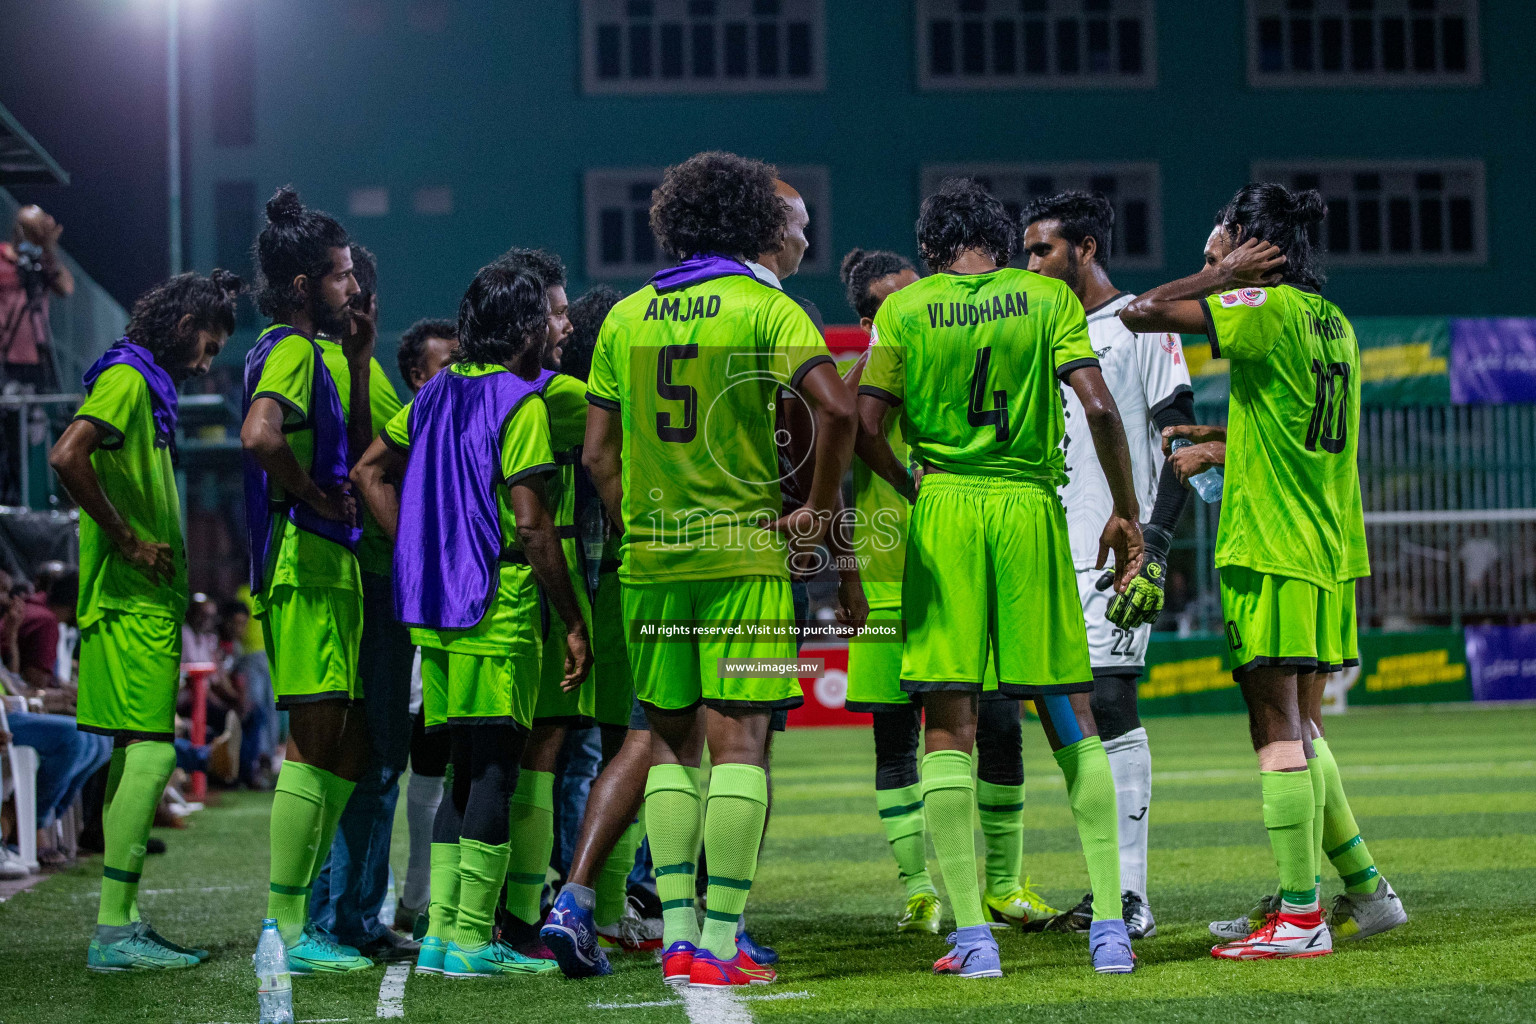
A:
587	314
365	271
541	263
295	241
413	343
157	314
1081	215
962	215
862	268
1275	214
720	203
504	310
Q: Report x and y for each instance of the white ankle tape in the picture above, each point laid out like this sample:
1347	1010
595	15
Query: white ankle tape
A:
1282	755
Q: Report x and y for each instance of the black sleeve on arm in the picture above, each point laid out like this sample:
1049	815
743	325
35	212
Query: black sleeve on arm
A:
1179	410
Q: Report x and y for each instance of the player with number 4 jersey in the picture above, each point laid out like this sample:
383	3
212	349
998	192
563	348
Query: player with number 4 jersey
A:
1069	237
971	356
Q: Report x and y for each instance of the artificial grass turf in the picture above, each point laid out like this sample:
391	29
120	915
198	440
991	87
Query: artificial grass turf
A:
1444	797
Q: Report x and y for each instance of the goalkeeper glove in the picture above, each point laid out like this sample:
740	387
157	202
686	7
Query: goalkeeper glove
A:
1142	601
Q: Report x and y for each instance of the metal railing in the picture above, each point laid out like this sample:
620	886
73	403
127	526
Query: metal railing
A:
1450	509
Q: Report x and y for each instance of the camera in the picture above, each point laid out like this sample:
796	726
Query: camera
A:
29	267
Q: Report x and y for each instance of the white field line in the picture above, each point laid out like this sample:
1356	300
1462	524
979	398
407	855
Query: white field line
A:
764	997
392	991
714	1006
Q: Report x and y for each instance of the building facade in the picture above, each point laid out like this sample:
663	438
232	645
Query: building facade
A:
444	131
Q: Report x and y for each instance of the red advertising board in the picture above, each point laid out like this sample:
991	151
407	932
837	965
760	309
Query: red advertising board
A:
824	696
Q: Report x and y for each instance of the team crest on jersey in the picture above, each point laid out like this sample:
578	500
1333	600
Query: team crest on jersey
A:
1246	296
1170	344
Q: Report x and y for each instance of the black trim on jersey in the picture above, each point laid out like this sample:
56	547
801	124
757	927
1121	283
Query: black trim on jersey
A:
540	469
1065	370
1173	396
289	426
390	442
806	367
1301	665
880	393
1113	298
111	443
602	403
1210	327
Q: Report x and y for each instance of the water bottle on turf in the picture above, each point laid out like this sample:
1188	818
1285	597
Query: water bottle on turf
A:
274	985
1207	484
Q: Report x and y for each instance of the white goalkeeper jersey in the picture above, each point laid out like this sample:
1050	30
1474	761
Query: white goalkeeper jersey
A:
1145	372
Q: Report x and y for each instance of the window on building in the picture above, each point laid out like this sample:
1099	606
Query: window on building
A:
372	201
234	229
1132	188
433	201
618	221
232	66
1035	44
1394	213
702	46
1363	42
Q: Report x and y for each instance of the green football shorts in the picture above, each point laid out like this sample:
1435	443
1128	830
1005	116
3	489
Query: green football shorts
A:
615	697
555	706
989	565
717	617
478	689
312	636
874	668
130	669
1282	622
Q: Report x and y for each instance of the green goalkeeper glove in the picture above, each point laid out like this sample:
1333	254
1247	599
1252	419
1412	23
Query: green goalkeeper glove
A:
1142	601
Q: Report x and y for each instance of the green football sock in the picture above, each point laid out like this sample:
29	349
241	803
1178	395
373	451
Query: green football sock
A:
1350	857
1091	792
901	812
1002	827
1288	813
733	830
481	870
337	792
613	877
531	825
949	800
146	767
1319	802
115	773
298	812
443	908
672	824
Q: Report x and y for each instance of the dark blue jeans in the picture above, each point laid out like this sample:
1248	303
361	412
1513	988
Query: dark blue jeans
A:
66	758
347	896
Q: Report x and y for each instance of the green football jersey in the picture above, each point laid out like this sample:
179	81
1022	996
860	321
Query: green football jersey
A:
880	523
694	374
374	552
525	452
566	399
973	361
1291	501
299	558
139	480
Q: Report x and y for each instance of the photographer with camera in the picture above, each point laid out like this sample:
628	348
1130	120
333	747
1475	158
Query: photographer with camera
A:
30	269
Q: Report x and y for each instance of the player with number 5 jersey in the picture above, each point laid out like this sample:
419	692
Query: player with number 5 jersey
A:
680	441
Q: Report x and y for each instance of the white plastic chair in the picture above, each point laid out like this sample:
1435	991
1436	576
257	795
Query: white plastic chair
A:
22	782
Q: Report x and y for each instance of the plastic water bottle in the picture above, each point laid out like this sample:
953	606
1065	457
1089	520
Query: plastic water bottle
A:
1207	484
274	983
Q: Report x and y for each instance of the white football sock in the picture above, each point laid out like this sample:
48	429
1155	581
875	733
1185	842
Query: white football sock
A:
422	795
1130	761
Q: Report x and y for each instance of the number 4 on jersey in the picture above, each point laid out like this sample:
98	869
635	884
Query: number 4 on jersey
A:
979	414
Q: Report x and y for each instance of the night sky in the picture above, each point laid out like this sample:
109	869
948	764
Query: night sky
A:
87	79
